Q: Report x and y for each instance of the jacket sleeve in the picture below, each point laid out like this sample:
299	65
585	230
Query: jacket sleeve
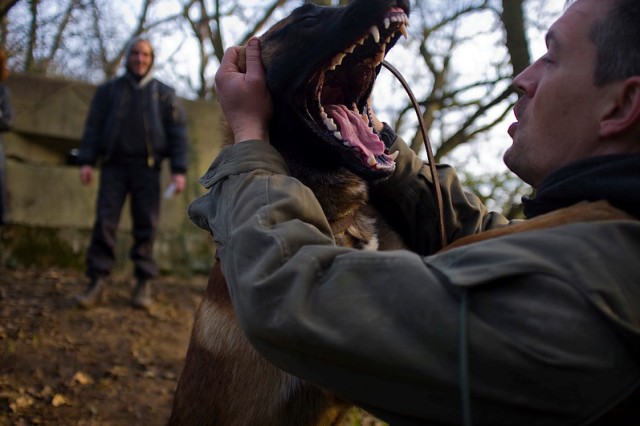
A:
390	330
407	201
94	128
6	110
175	124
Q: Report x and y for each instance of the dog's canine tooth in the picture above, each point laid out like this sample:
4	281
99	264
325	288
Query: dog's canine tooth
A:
394	155
403	30
375	32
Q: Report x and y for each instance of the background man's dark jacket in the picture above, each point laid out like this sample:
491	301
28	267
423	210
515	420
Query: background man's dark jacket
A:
164	121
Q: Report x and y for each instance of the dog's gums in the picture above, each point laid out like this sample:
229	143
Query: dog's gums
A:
338	93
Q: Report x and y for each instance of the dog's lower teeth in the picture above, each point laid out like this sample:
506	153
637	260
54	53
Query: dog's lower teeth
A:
330	124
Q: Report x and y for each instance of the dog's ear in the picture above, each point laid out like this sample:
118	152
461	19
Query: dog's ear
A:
242	59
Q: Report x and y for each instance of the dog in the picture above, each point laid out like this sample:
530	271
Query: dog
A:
321	64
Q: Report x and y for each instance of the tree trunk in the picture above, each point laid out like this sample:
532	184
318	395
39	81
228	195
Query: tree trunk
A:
516	38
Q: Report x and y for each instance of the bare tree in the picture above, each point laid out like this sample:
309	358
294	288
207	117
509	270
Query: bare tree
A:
461	101
207	28
5	6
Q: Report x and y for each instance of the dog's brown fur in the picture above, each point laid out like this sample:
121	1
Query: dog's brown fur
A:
224	380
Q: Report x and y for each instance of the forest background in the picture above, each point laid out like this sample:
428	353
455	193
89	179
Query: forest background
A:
460	58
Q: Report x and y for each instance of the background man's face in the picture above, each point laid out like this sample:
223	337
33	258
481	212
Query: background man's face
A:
140	58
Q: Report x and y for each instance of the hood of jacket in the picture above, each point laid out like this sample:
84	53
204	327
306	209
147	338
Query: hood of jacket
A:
615	178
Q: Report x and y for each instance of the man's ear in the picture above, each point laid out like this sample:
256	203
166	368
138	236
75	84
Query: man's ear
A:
626	111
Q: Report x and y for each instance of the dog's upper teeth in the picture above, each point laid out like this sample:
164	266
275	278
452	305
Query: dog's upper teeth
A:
337	135
387	23
372	161
375	32
394	155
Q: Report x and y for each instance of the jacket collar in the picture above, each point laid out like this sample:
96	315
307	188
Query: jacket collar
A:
137	81
615	178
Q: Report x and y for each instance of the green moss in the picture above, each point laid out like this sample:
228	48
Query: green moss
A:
180	253
29	246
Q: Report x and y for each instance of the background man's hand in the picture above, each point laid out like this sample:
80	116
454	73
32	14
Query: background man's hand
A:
86	175
179	181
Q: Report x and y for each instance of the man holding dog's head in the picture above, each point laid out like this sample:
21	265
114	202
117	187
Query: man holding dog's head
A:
529	328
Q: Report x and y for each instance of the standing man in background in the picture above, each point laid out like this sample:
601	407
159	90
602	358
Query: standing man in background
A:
6	121
134	122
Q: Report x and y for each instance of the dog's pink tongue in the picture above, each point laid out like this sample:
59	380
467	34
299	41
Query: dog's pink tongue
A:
354	130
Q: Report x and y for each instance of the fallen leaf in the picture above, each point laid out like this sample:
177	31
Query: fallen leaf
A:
82	378
59	400
21	402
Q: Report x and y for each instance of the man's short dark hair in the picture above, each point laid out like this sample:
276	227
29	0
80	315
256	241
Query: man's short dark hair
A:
617	39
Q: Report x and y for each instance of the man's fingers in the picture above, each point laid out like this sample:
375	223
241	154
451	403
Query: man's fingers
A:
229	63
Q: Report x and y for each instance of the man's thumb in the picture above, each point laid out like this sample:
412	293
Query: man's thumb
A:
254	60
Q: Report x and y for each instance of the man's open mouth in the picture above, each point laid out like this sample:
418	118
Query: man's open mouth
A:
336	95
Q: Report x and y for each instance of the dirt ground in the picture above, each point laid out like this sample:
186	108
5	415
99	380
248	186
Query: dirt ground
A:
112	365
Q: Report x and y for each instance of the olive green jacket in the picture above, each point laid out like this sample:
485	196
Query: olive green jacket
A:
533	328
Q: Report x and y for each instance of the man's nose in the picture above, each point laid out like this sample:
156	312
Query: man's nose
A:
526	81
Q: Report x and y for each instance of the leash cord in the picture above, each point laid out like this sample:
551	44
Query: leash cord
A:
463	343
427	145
465	392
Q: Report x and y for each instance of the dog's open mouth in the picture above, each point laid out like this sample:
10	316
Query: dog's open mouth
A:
337	94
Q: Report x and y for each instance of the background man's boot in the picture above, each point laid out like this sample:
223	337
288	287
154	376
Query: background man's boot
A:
142	295
93	294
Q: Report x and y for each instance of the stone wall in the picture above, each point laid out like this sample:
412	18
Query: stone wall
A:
50	213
